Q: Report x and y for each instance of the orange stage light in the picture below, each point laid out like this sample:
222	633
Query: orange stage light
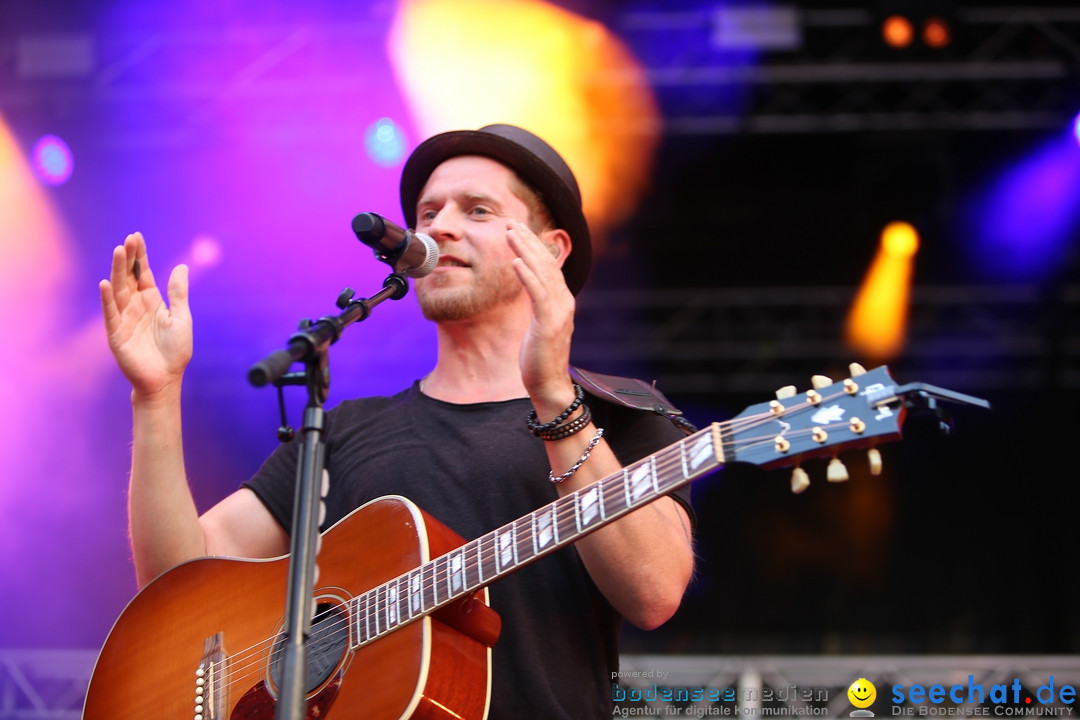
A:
936	33
468	63
897	31
35	258
877	322
900	240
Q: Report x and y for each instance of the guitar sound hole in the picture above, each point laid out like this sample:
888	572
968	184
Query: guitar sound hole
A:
325	648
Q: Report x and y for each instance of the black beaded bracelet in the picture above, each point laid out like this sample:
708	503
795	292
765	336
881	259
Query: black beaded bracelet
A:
571	428
536	427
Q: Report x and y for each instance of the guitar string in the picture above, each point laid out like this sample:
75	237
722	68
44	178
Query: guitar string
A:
380	603
393	613
487	542
388	605
523	542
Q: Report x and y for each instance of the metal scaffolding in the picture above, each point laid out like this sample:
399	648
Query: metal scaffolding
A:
40	684
1007	68
721	340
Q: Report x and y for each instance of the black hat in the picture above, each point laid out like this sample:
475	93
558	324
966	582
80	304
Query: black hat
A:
530	157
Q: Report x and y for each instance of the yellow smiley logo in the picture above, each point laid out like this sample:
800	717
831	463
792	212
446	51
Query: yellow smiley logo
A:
862	693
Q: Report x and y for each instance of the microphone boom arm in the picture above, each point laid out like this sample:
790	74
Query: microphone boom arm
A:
313	338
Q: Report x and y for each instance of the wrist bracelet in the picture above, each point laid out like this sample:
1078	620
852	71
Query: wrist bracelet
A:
581	461
571	428
535	426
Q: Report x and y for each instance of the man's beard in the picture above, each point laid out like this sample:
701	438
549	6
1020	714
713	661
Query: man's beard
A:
465	302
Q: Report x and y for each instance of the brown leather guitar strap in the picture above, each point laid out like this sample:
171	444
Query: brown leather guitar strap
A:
631	393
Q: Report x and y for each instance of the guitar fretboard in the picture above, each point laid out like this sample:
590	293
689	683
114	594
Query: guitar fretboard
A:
490	557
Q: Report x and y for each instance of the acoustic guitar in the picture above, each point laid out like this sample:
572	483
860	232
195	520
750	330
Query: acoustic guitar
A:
408	634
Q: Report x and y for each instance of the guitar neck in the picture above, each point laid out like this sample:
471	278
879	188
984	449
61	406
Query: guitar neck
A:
495	555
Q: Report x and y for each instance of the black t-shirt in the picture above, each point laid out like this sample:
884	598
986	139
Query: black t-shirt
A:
475	468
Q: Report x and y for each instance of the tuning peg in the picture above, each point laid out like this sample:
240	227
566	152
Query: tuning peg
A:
820	381
786	392
836	472
856	369
874	456
799	480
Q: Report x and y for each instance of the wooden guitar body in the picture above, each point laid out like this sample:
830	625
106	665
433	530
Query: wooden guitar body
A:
149	665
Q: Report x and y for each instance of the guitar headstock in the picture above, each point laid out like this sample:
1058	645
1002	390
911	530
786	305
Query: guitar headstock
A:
862	411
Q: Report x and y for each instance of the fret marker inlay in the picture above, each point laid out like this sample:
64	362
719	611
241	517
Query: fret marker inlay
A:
543	529
391	606
456	579
506	549
589	506
701	452
416	595
640	482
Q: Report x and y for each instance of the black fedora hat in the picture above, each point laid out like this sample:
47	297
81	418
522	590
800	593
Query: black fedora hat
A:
530	157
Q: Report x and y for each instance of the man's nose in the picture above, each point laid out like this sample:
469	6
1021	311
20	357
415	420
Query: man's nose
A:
446	225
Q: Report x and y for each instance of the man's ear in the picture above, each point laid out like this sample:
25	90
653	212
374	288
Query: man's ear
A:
558	244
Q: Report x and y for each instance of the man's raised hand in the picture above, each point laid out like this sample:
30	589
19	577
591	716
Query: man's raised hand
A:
152	341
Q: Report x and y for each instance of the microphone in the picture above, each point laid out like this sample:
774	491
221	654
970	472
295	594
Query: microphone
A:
409	253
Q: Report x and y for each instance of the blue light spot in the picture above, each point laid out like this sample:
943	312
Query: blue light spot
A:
52	160
385	142
1031	213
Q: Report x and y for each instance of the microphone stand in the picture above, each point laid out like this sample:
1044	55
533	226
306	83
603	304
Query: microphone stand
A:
310	345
